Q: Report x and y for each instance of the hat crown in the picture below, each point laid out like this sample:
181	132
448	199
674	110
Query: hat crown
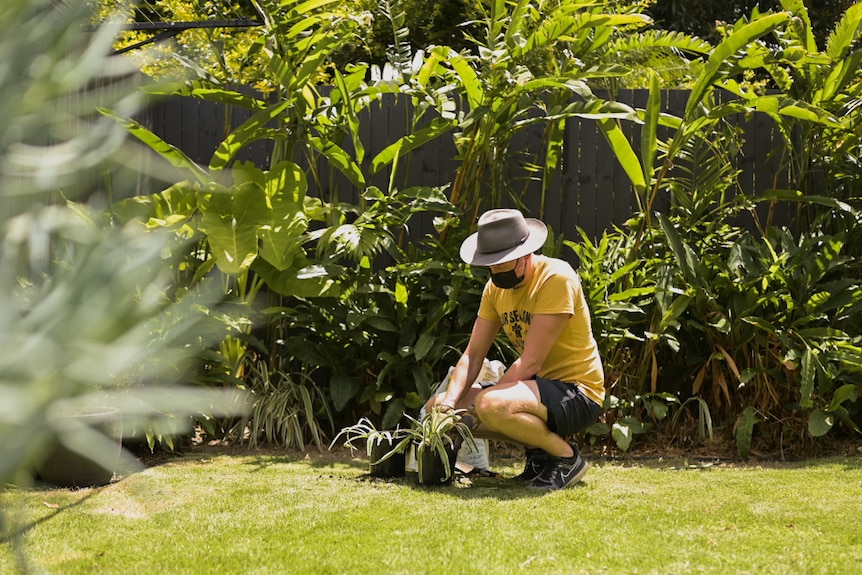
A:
503	235
501	230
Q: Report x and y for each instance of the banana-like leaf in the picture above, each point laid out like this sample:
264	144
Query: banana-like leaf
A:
340	159
469	80
797	196
724	52
406	144
800	14
169	152
649	130
206	92
783	106
251	130
624	153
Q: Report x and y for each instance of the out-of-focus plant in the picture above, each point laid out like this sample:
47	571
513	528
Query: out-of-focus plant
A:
87	314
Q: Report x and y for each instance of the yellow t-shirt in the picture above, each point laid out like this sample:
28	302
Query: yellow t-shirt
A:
554	288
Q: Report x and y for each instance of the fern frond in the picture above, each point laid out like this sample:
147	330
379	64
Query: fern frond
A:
676	42
400	52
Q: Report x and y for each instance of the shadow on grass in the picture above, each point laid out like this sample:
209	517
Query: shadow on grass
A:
466	488
480	488
315	461
23	529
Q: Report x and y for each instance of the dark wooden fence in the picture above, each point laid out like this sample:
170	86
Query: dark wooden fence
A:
591	191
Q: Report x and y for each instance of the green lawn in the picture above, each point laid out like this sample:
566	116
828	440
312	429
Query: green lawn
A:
286	513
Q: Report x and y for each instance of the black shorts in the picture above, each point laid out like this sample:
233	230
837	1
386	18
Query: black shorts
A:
569	410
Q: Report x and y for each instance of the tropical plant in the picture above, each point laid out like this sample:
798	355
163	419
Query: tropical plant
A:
752	330
439	432
703	17
287	409
364	430
816	110
532	60
682	282
165	38
397	323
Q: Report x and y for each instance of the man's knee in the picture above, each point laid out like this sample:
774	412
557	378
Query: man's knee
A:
490	406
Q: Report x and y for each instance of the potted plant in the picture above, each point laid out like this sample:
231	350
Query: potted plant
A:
66	466
437	436
385	448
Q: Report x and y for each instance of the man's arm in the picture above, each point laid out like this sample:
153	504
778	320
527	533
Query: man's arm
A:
470	364
544	332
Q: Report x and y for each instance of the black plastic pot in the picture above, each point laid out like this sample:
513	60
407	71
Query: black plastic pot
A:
392	467
66	468
431	469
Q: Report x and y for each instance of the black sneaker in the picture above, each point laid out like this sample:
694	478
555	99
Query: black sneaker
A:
536	459
560	472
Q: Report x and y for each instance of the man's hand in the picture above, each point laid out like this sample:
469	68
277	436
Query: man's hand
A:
444	408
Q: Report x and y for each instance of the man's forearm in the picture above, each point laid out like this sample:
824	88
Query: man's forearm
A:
465	373
520	370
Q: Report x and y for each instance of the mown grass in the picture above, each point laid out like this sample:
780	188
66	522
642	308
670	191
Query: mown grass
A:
283	513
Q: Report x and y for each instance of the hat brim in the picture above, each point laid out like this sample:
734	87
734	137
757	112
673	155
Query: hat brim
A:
538	234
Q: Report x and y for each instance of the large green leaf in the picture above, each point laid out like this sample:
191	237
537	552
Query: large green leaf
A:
204	91
231	220
820	422
282	237
469	79
848	391
302	279
394	413
791	108
424	345
343	388
797	196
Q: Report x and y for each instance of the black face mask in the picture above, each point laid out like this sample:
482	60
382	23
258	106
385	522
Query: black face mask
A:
507	279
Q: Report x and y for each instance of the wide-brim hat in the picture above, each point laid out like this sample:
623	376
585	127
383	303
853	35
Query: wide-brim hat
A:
503	236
